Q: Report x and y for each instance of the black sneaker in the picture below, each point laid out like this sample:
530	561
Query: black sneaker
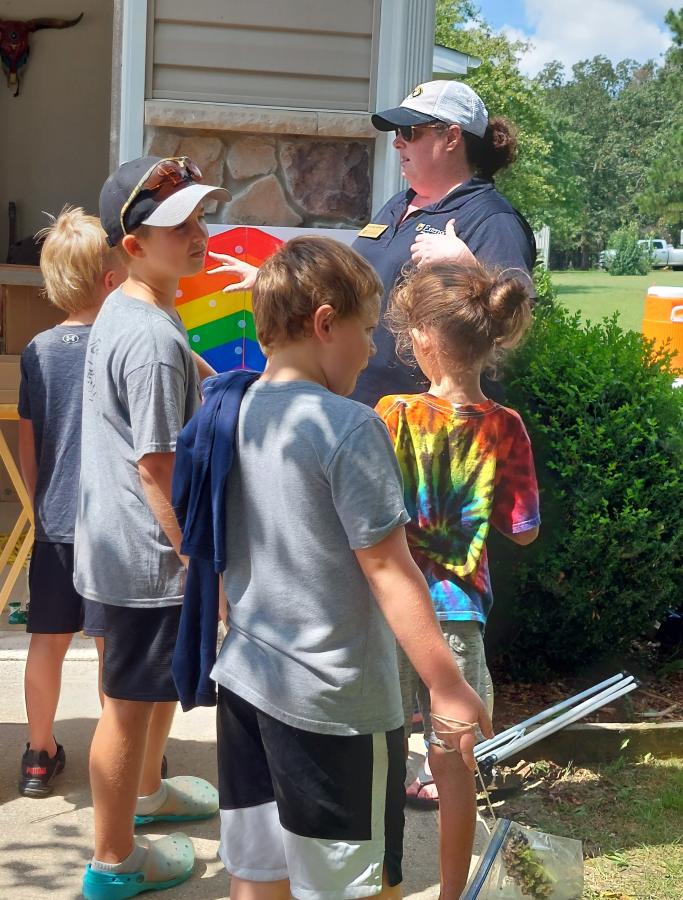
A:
38	771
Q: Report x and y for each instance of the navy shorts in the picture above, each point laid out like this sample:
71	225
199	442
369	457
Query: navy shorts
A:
323	810
55	605
138	650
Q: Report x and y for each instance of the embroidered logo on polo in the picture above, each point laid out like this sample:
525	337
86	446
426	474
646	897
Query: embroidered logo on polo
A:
423	228
70	338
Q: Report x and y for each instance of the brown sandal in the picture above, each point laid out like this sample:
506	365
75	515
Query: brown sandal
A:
418	802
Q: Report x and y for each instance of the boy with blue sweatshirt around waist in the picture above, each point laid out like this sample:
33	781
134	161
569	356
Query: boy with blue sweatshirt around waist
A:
320	583
141	387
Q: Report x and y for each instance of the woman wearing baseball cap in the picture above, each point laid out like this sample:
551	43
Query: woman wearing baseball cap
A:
450	152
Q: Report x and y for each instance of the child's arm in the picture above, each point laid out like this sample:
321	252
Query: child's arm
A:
523	538
155	392
27	456
203	368
156	474
515	512
403	596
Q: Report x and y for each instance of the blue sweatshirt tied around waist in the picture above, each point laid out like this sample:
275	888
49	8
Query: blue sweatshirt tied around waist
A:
204	454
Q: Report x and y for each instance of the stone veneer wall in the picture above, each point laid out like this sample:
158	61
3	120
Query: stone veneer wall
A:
277	179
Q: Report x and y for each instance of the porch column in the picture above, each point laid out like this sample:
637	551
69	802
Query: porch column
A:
405	58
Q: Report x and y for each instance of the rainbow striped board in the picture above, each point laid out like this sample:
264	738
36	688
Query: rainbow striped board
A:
221	326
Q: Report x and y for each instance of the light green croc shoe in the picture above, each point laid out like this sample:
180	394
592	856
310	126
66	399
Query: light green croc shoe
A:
168	862
188	799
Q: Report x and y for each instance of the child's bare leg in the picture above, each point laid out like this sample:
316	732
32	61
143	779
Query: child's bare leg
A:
157	735
389	893
42	685
259	890
279	890
457	819
99	644
116	759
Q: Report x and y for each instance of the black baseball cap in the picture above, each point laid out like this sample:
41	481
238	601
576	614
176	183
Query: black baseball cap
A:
146	208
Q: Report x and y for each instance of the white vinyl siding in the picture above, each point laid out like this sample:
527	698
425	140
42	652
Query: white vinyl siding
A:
306	54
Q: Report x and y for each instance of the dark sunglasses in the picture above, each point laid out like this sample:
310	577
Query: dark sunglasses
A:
407	132
163	179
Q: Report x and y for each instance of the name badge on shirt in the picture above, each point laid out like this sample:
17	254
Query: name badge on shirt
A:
372	231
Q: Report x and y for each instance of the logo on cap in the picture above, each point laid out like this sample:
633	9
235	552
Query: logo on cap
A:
418	90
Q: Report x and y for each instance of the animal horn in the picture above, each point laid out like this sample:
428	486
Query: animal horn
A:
38	24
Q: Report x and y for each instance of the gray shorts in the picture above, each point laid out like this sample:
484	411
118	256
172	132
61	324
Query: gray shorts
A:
467	645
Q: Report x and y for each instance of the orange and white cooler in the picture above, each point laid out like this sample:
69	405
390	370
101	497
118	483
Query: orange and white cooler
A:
663	319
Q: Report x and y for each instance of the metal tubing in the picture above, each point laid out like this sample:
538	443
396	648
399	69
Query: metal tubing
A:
567	718
546	713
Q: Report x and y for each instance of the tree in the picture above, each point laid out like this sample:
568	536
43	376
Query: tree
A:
674	19
661	197
621	117
600	147
540	183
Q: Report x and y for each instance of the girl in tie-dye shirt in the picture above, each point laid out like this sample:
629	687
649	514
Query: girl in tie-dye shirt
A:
467	465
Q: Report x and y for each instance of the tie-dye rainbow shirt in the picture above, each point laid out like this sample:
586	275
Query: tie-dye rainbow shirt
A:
464	468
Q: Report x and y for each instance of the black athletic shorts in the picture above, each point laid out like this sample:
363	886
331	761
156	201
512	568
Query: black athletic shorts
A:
55	605
324	811
138	649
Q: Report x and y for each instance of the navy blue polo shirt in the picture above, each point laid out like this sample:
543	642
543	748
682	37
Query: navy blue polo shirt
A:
494	231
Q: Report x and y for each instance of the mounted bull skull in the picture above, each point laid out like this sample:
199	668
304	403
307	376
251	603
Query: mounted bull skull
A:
14	43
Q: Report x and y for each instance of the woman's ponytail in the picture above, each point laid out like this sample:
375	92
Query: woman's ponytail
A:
496	150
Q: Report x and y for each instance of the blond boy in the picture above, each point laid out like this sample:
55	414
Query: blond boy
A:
79	270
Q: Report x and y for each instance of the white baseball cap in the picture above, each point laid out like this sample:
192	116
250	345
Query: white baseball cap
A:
444	101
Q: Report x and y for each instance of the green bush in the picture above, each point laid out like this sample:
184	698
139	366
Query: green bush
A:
607	431
546	292
629	257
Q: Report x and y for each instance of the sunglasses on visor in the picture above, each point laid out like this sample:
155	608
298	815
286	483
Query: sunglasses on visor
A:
163	179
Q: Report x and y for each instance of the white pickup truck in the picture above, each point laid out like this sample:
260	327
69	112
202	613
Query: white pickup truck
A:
661	254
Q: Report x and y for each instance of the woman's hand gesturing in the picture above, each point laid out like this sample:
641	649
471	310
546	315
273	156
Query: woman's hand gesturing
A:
429	248
244	271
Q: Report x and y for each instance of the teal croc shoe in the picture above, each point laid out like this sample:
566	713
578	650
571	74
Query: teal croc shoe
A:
188	799
169	862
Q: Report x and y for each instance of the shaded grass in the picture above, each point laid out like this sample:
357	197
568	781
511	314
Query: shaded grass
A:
629	816
597	294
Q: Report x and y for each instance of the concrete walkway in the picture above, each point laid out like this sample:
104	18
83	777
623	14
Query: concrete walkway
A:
45	844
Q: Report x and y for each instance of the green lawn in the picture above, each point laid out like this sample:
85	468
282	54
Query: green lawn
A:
629	816
597	294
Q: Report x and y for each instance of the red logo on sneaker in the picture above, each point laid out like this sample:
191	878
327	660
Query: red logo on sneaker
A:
36	770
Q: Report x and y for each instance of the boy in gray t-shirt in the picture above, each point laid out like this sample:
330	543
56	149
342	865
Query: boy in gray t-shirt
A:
141	387
79	270
320	584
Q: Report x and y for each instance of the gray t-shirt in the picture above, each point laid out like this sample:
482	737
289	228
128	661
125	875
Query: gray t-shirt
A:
51	396
314	479
140	388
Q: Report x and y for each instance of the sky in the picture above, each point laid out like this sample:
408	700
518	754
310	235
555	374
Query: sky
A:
569	31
